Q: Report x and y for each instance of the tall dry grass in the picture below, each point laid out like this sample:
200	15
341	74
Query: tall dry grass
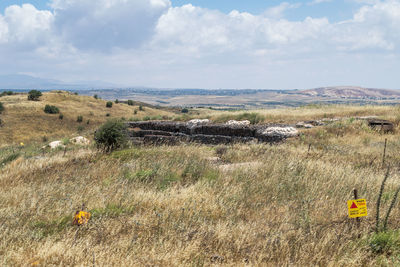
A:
170	206
25	121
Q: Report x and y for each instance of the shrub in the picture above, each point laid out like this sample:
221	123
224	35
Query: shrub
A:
51	109
61	116
96	96
108	115
6	93
109	104
116	101
45	139
130	102
76	93
111	136
135	112
79	118
141	108
34	95
88	122
1	107
185	110
80	128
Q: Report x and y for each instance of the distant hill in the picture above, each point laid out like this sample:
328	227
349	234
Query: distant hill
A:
352	92
20	81
26	121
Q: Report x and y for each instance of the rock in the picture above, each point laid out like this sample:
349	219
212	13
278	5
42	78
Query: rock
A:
283	131
197	122
383	125
80	140
56	144
308	126
238	123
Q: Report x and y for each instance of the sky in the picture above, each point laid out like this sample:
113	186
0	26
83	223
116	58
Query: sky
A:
257	44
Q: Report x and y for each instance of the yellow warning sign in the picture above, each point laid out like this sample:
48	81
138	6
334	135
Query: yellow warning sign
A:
357	208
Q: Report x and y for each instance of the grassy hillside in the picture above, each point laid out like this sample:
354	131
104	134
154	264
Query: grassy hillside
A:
25	121
166	206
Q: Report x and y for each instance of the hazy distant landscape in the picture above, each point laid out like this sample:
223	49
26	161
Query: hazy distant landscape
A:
252	98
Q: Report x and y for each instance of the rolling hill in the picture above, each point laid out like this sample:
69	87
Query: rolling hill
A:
353	92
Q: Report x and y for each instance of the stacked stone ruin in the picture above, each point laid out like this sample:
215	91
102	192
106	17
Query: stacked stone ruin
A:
204	132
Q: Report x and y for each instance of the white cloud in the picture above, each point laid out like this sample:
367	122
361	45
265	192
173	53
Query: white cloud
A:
25	25
278	11
149	42
105	24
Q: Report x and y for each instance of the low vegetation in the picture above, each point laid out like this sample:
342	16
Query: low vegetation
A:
196	205
51	109
34	95
111	135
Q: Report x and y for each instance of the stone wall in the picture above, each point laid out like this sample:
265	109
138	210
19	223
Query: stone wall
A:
204	132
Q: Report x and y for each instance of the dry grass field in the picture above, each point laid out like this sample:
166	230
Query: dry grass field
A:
25	121
255	205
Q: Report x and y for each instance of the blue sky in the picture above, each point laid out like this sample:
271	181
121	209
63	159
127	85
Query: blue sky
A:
207	44
334	10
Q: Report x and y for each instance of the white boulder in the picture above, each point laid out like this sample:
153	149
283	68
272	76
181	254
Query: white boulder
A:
56	144
197	122
238	123
283	131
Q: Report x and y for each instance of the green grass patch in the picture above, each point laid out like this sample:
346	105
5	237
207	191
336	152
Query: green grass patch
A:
111	210
44	229
9	159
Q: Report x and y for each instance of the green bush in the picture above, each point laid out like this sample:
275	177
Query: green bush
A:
141	108
116	101
130	102
34	95
6	93
61	116
185	110
96	96
111	136
108	115
1	107
109	104
80	128
51	109
385	242
79	118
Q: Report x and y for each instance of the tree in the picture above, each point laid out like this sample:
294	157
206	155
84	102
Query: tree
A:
96	96
109	104
185	110
116	101
130	102
34	95
111	135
